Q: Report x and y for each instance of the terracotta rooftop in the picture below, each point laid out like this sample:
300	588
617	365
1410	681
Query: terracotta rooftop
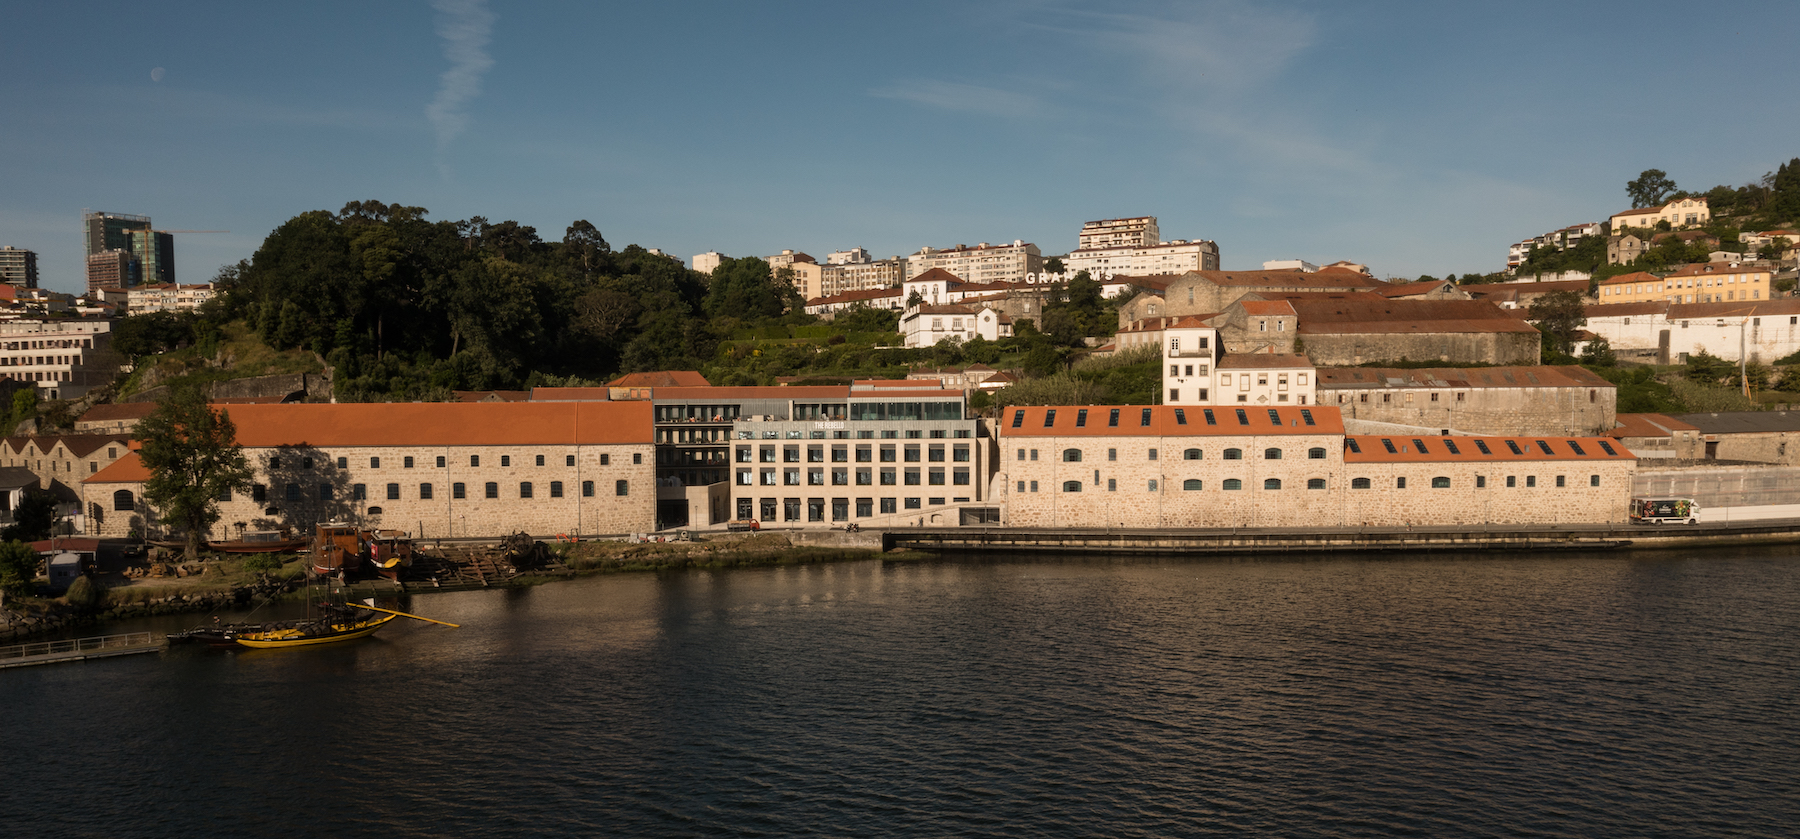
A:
444	424
492	395
1629	279
1648	425
1405	316
855	296
661	378
126	470
118	412
1406	289
1267	308
77	445
573	394
1702	268
1289	278
1424	449
1166	421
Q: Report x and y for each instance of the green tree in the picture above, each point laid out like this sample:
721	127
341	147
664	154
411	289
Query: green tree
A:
1650	188
192	453
1053	265
746	288
1598	353
33	519
18	567
1558	315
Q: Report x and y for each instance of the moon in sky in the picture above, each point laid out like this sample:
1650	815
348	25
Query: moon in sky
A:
157	74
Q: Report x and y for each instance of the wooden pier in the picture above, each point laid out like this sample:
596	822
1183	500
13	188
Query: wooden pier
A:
80	649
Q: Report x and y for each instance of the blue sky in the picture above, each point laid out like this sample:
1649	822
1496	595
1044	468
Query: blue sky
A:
1414	137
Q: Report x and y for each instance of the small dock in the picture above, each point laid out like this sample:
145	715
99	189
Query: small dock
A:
80	649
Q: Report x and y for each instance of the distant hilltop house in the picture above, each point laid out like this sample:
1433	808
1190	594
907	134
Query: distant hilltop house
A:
1680	213
926	324
1710	282
1561	239
1134	246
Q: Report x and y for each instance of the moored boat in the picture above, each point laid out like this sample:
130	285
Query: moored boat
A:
337	547
260	542
340	623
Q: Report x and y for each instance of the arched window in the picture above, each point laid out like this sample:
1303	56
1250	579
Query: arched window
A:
1071	486
1071	455
123	501
1271	483
1359	483
1271	454
1191	484
1234	454
1440	483
1191	454
1315	483
524	489
1315	453
1233	483
374	511
491	490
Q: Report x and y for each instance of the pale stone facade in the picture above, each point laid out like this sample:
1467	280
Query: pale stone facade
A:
1162	258
926	325
63	358
706	262
1765	330
862	276
1119	232
435	470
1563	401
1682	212
62	462
1150	470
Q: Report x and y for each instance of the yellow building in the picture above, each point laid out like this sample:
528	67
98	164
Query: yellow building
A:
1682	212
1711	282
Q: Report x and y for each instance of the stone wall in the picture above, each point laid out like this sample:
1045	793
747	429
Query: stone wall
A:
1558	411
1353	348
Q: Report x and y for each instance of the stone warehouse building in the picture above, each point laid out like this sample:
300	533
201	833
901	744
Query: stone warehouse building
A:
60	463
1091	466
1766	330
1205	292
1567	401
433	469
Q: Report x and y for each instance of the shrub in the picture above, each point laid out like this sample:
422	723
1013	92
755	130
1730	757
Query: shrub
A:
85	594
262	562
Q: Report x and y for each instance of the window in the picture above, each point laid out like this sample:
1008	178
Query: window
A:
424	492
1152	454
1576	447
1359	483
1191	485
1315	483
457	491
889	455
1018	420
293	492
1071	486
474	460
1482	445
1440	482
1112	484
491	490
1531	480
393	492
569	460
524	489
587	489
606	460
889	506
506	460
374	511
1351	445
1081	418
1559	482
1419	446
621	487
1112	421
408	462
1233	484
274	463
1315	453
374	463
1390	446
1181	416
440	461
1514	446
1593	480
1481	482
1050	418
359	492
1210	419
124	501
343	463
1271	483
1451	445
637	458
960	454
1234	454
1512	481
1271	454
1071	455
1191	454
1399	483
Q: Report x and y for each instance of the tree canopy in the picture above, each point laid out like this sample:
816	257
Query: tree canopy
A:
192	453
1650	188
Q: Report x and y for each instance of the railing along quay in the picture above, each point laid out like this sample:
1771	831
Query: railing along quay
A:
1250	540
79	649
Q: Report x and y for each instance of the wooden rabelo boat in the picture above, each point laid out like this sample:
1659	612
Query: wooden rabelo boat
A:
338	623
337	549
260	542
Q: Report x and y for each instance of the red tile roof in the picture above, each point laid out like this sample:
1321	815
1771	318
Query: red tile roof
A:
118	412
1459	377
1648	425
126	470
1373	449
444	424
1289	278
661	378
1330	317
1167	421
1263	360
1267	308
573	394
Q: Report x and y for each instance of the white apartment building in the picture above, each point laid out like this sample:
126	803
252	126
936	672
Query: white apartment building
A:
1177	257
1764	330
1300	265
983	263
849	257
63	358
1139	231
1196	374
867	275
706	262
166	297
1563	239
926	324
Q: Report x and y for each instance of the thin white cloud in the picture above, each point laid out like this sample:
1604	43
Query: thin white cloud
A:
962	98
465	26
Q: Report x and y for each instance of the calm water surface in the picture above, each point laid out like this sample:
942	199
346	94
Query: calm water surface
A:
1616	695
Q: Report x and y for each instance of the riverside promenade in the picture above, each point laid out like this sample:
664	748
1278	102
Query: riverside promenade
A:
1252	540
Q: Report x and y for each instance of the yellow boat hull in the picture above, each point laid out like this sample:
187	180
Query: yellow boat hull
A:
296	637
